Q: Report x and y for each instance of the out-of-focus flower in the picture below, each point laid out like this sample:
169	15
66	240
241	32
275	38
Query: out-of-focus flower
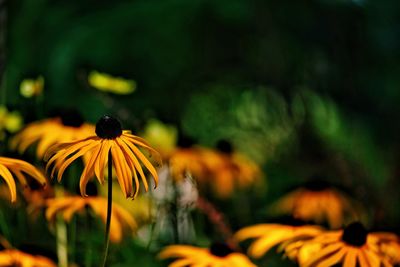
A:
16	167
353	246
107	83
68	127
36	199
318	202
162	137
218	255
270	235
223	170
13	257
68	206
9	121
31	87
110	143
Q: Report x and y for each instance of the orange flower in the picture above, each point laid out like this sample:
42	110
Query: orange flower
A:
9	166
13	257
66	128
121	146
218	255
317	202
270	235
353	246
68	206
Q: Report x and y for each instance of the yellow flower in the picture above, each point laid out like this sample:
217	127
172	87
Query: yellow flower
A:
270	235
66	128
9	121
10	166
107	83
112	142
317	202
218	255
13	257
68	206
31	87
351	247
161	136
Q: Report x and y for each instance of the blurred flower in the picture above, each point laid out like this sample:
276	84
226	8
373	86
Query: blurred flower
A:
107	83
68	127
10	166
162	137
31	87
68	206
353	246
270	235
218	255
318	202
13	257
110	141
223	170
36	199
9	121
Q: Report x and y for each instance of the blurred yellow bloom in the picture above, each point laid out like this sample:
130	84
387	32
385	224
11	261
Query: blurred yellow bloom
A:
270	235
68	206
16	167
223	172
218	255
110	141
107	83
351	247
31	87
13	257
66	128
161	136
9	121
318	203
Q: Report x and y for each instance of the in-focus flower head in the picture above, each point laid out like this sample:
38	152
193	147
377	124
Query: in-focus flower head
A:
110	141
219	254
69	205
18	168
353	246
319	202
272	234
13	257
66	126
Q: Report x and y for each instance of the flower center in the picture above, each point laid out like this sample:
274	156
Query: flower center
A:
220	249
71	118
355	234
316	185
224	146
108	127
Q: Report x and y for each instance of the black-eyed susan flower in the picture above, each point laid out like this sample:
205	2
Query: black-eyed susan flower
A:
351	247
67	127
318	202
218	255
10	167
13	257
107	83
31	87
70	205
223	170
110	143
270	235
9	121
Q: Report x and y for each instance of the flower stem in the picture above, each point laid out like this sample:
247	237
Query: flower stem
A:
109	206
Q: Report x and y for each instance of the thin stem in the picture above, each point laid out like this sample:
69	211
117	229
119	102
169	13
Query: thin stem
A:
109	207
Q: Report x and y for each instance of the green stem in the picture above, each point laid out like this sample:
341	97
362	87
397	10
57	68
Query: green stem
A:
88	254
109	207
